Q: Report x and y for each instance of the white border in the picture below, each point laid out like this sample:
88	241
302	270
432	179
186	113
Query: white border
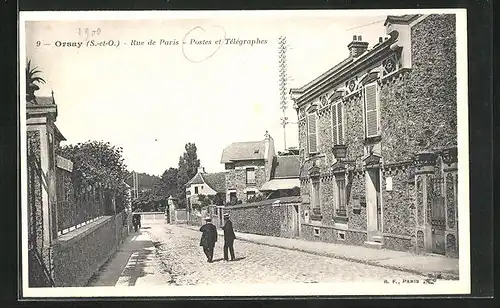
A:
462	286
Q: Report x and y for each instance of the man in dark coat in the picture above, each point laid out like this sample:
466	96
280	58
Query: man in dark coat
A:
228	237
208	239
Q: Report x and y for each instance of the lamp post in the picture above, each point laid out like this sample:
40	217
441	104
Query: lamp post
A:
339	151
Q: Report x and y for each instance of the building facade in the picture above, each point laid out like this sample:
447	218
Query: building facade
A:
248	166
211	185
378	141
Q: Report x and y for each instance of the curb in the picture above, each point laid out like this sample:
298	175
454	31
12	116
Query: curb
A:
429	275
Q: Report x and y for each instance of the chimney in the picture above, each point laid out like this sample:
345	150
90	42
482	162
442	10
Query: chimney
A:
201	170
357	46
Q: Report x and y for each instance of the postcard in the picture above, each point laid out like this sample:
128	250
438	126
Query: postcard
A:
244	153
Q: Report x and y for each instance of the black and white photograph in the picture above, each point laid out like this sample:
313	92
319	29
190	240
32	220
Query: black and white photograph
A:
244	153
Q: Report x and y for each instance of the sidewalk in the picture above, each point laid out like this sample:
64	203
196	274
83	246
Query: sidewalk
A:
426	264
133	264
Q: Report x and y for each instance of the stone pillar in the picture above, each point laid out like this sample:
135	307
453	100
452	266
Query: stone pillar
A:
424	170
42	132
450	169
172	207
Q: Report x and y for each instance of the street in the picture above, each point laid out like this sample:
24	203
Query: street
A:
182	262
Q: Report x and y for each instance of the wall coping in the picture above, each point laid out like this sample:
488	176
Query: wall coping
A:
79	233
284	200
340	228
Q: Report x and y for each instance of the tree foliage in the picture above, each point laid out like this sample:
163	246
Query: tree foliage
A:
172	183
32	82
99	163
188	167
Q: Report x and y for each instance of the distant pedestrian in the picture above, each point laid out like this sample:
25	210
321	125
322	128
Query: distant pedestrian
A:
208	239
229	237
136	221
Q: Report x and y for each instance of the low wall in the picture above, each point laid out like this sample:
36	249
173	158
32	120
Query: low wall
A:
151	217
81	252
180	215
265	217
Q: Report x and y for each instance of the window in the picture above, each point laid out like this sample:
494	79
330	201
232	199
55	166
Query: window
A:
341	235
316	231
371	111
341	195
337	123
316	201
196	189
250	175
229	166
312	136
250	194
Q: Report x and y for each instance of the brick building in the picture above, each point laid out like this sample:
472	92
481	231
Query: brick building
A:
378	141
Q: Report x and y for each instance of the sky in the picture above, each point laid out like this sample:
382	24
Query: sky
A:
152	100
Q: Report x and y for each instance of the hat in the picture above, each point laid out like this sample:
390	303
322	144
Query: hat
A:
226	215
208	219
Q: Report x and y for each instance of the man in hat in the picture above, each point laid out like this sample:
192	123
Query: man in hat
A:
208	239
228	237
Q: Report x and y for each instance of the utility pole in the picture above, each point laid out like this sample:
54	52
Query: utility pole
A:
283	82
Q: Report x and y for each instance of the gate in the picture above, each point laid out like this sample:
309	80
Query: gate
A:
438	218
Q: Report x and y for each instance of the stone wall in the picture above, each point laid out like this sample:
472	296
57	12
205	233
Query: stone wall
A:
419	111
330	234
35	232
263	218
398	208
236	178
80	253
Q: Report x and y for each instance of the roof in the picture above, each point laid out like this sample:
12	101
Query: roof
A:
401	19
341	71
217	181
330	71
44	100
249	150
278	184
287	166
196	179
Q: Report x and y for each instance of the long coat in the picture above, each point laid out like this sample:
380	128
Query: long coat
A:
209	235
228	231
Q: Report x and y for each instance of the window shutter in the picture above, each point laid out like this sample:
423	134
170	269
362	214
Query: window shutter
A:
334	124
371	112
340	124
313	142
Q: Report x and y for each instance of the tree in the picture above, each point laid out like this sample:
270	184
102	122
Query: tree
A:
31	82
188	166
169	181
99	163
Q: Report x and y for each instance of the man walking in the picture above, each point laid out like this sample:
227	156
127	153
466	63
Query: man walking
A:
208	239
228	237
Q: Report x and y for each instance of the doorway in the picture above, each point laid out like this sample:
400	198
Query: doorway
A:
296	221
438	216
373	202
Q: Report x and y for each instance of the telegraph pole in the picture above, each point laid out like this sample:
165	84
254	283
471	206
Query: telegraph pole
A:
283	82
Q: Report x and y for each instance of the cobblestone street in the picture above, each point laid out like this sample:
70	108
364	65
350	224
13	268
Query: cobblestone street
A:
183	263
